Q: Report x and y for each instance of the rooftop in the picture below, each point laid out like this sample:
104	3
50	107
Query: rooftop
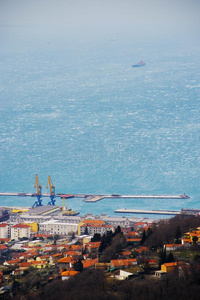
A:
3	225
44	210
21	226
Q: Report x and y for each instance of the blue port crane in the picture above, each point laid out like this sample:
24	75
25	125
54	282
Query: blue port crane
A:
38	202
52	191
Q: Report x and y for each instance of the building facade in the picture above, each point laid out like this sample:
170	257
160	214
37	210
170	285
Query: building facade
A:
91	227
55	227
4	231
19	231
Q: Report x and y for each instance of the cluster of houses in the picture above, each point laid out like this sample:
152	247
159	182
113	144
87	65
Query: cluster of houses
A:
32	246
40	250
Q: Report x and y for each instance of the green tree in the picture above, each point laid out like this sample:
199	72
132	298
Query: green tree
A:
178	235
116	245
86	231
162	257
105	241
96	237
170	258
56	237
117	230
144	237
78	266
195	239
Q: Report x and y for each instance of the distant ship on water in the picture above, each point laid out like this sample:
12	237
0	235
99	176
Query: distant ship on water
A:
139	64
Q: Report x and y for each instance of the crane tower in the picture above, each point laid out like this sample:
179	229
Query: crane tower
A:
38	202
52	191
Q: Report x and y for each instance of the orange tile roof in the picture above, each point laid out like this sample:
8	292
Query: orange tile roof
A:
4	240
76	247
43	257
123	262
144	248
73	253
172	264
65	260
16	255
20	226
194	234
131	233
139	250
89	263
97	244
25	264
139	223
56	255
24	254
69	273
3	225
3	247
93	246
134	240
42	235
151	261
126	253
173	245
34	253
93	221
186	239
196	231
14	261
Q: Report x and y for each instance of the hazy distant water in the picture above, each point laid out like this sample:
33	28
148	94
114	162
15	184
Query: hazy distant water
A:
80	113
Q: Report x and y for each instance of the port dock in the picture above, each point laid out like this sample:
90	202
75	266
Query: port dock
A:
95	198
155	212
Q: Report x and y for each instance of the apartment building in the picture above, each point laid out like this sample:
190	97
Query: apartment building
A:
4	230
19	231
93	226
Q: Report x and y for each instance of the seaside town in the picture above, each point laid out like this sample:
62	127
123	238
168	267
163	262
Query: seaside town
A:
104	96
44	246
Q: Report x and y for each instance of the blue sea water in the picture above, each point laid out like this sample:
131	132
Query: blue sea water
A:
79	112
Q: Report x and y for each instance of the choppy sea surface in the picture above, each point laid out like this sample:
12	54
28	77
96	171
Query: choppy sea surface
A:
82	114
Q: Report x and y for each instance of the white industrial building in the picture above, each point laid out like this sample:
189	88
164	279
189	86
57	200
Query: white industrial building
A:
56	227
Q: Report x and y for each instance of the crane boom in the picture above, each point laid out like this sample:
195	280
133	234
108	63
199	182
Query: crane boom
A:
37	185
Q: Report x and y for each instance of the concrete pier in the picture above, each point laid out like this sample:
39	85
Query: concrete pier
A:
155	212
95	198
